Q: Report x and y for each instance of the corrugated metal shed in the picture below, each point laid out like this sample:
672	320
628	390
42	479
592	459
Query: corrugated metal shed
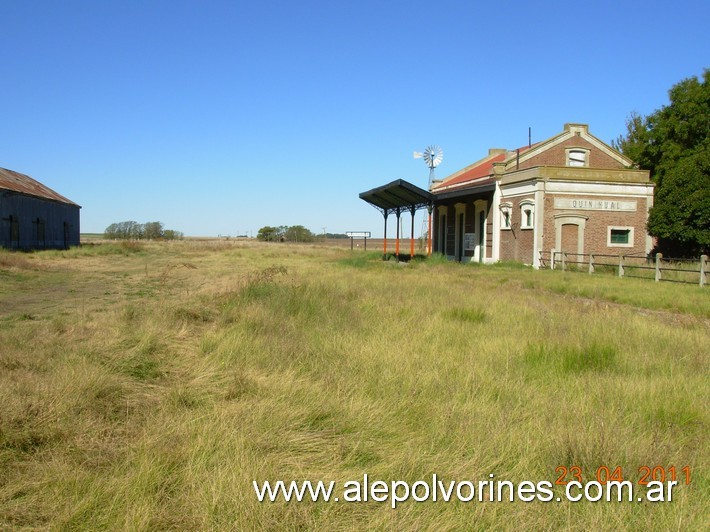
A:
33	216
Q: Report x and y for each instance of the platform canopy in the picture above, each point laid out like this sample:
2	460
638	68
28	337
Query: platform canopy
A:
395	198
398	195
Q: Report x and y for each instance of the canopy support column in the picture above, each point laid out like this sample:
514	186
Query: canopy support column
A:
396	247
429	208
385	212
411	238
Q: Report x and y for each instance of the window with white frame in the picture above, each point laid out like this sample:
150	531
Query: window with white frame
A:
620	237
506	213
527	214
577	157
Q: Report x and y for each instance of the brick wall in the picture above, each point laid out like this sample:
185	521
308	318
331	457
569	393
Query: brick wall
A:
597	227
556	156
516	243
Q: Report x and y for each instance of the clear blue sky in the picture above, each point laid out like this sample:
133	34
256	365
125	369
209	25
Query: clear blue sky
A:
220	117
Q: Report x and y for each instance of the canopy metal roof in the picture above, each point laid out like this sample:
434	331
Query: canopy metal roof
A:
484	185
398	194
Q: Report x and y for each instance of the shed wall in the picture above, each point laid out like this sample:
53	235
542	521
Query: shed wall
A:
27	222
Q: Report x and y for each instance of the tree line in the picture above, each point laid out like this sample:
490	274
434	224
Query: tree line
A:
293	233
674	144
131	230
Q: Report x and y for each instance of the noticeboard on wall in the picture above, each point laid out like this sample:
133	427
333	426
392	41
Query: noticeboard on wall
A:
469	240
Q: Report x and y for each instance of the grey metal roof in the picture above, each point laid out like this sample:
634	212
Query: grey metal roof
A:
484	185
398	194
24	184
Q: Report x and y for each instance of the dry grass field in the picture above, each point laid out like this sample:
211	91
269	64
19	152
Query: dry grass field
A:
146	386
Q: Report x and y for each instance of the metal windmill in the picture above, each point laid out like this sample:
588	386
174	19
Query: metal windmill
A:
433	155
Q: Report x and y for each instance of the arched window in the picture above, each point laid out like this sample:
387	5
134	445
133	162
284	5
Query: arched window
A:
506	213
527	214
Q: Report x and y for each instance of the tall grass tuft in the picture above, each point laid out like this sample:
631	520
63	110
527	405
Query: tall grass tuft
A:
469	315
546	358
595	357
360	259
15	260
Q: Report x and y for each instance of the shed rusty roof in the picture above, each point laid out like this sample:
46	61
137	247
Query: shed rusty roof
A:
24	184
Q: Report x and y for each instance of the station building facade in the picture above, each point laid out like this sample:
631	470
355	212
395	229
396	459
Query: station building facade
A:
571	193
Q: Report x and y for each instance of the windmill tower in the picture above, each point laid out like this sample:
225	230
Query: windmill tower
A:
433	155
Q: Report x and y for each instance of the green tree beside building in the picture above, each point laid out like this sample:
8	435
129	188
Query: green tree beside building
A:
674	144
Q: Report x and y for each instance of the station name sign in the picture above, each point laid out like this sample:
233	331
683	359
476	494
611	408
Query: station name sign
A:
590	204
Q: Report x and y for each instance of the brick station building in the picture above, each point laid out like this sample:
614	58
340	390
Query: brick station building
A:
571	193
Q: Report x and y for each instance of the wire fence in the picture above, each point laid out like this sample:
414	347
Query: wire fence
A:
658	267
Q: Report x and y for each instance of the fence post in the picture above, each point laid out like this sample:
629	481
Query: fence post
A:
703	269
659	256
621	265
563	260
591	263
552	259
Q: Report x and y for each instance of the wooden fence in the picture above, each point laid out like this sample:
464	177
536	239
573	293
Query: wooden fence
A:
659	268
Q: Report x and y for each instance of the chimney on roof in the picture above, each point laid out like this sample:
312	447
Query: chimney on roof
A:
496	151
577	128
